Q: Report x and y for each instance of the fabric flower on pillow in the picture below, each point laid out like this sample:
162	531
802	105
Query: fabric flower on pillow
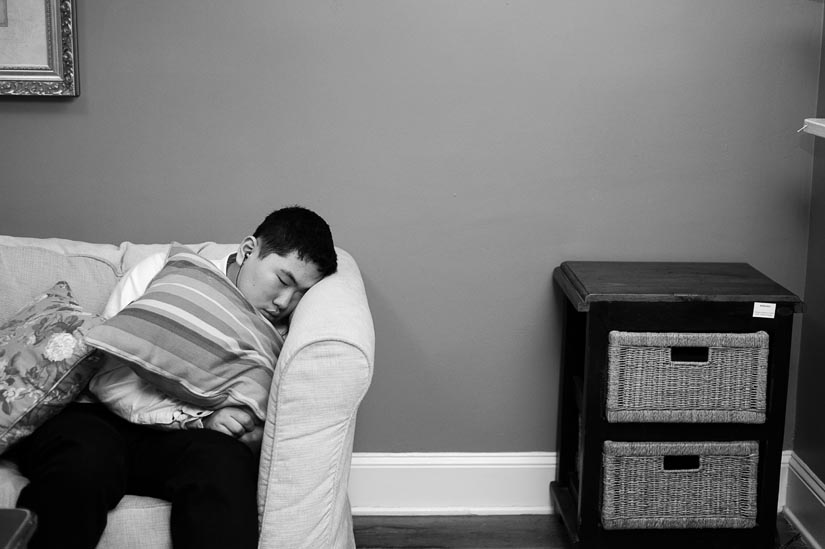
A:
60	347
10	394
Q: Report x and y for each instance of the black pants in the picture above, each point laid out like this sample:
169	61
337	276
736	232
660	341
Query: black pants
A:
82	461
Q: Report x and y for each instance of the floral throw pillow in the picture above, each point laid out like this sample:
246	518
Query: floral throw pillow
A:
44	361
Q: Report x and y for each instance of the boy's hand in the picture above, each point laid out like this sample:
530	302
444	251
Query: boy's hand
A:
253	438
232	420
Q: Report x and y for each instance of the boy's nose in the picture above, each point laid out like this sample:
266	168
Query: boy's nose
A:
282	300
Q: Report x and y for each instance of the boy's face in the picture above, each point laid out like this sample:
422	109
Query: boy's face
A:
274	284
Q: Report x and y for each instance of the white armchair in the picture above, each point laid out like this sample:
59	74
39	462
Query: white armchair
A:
323	373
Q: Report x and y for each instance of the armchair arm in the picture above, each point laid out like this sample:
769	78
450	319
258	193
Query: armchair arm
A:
323	373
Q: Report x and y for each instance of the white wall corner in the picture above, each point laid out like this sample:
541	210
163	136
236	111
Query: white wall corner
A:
804	501
783	479
451	483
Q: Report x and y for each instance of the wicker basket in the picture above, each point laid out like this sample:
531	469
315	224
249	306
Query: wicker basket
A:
649	382
679	485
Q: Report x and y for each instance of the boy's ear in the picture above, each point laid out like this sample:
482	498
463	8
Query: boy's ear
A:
246	248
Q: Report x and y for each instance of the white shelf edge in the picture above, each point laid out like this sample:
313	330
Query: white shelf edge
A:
815	126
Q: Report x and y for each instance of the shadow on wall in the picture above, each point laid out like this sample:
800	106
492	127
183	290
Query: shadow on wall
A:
380	418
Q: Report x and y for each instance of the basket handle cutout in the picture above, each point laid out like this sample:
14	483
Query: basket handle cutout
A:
689	354
680	463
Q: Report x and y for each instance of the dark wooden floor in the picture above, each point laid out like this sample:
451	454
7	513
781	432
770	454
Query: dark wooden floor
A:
479	532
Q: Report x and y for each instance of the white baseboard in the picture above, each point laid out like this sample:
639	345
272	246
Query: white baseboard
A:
395	484
805	502
451	483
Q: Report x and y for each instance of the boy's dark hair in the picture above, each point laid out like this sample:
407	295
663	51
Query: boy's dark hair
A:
297	229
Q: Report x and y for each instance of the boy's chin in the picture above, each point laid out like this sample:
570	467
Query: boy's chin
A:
273	319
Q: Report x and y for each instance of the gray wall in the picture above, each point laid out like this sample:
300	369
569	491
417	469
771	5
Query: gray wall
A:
810	436
460	150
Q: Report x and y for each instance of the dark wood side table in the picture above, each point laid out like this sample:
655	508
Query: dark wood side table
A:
606	300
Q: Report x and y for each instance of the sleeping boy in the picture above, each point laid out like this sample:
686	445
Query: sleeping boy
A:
135	438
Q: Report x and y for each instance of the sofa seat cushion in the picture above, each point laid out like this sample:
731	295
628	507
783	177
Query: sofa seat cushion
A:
138	522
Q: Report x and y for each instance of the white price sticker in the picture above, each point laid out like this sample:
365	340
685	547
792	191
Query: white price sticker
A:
764	310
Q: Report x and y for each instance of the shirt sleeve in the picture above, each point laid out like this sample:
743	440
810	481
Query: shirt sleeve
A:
123	391
134	284
134	399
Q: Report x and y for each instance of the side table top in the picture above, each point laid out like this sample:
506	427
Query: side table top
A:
586	282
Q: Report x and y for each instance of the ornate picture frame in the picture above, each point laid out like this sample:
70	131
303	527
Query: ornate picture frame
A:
38	48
